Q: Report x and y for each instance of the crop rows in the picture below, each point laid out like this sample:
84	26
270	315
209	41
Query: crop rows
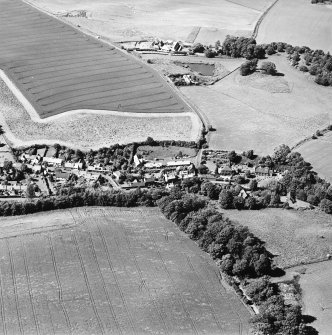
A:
58	68
113	273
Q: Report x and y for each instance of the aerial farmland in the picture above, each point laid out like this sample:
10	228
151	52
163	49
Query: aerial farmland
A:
110	271
60	69
165	167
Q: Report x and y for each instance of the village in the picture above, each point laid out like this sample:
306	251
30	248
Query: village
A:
38	172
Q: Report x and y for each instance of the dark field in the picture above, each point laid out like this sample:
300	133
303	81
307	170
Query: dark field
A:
110	271
59	69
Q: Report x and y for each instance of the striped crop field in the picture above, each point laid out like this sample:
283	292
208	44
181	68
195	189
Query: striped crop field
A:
110	271
58	68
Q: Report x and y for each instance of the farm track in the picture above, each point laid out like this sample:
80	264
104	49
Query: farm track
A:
178	295
116	279
59	286
86	279
143	281
2	305
104	285
118	327
41	53
203	289
13	276
27	275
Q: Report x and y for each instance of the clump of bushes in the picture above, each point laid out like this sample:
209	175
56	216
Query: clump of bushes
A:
238	251
248	67
269	68
242	47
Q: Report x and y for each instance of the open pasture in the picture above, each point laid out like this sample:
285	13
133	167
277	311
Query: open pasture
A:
299	23
316	289
178	20
318	153
59	68
292	236
261	112
110	271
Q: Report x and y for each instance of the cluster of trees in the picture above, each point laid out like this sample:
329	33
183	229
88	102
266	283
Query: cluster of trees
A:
229	198
300	180
248	67
69	198
316	62
275	316
319	64
320	1
11	173
269	68
242	47
237	250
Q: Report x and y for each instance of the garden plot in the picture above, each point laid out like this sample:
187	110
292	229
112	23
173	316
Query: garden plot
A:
111	271
59	69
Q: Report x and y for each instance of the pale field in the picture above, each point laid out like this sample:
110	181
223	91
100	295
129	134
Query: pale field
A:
319	153
292	236
168	20
261	112
299	23
88	130
316	287
110	271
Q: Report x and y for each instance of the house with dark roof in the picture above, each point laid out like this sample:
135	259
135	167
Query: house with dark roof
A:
262	171
61	175
226	171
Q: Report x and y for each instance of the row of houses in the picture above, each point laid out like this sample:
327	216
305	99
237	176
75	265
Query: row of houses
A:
259	171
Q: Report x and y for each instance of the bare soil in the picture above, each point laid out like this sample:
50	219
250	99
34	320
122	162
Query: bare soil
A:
110	271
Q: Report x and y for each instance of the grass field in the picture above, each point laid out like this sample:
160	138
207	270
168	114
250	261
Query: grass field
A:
318	153
316	287
293	236
110	271
261	112
60	69
299	23
173	19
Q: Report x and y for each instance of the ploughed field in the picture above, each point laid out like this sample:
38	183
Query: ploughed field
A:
110	271
59	68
